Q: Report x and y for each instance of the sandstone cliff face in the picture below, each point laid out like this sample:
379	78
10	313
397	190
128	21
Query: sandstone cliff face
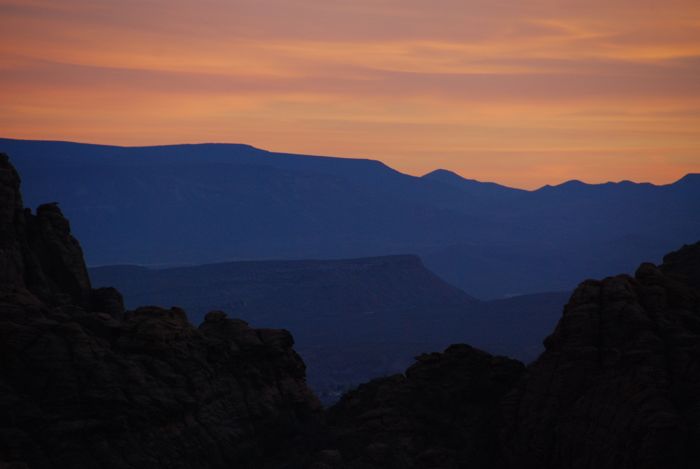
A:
85	384
619	383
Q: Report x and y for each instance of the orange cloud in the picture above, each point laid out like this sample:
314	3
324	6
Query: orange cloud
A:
524	93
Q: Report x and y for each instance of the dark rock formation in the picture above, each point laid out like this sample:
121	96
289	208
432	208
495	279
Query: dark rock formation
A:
84	384
11	218
619	383
684	265
444	412
37	252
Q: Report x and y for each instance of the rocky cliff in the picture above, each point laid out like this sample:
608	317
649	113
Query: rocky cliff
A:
619	383
442	413
85	384
37	252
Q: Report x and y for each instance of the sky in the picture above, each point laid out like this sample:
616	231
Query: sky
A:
524	93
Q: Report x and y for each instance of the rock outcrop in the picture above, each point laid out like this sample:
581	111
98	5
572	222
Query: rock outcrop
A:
37	252
85	384
619	383
444	412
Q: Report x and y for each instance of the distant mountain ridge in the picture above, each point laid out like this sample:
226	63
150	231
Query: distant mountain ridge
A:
264	288
242	151
195	204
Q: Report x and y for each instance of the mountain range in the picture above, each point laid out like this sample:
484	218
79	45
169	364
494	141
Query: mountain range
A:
196	204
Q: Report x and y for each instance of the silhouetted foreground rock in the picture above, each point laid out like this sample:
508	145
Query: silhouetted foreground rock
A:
84	384
443	413
619	383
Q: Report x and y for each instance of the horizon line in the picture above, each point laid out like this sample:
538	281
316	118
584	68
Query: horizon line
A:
358	158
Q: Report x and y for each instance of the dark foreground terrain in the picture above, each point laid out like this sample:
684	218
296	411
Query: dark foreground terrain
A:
85	384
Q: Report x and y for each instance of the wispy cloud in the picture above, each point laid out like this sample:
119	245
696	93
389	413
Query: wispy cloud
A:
519	92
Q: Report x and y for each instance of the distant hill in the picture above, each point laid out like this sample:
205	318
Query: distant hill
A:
195	204
264	290
352	319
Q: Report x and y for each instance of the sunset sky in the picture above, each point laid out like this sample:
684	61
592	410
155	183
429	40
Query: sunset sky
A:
524	93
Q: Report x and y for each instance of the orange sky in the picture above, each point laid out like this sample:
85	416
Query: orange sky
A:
524	93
